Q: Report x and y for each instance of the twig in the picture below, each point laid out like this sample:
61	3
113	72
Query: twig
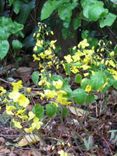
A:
4	81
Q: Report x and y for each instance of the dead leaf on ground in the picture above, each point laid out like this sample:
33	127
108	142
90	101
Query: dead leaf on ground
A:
36	153
77	111
28	140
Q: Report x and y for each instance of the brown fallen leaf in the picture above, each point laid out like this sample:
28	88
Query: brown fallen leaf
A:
24	73
2	141
36	153
28	139
77	111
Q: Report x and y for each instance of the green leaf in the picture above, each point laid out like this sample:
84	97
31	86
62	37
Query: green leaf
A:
96	12
4	47
76	23
93	10
67	68
115	84
90	99
16	44
48	9
25	11
51	109
64	111
97	80
16	28
78	78
38	110
3	34
35	77
65	14
84	83
79	96
108	20
16	6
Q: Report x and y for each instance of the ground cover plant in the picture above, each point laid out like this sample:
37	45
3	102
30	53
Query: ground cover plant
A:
52	103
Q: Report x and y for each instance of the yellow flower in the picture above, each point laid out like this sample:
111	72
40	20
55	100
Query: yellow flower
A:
68	58
85	67
48	52
2	91
58	84
9	110
35	48
62	153
28	90
17	85
17	124
86	74
19	98
52	44
28	130
36	123
23	101
31	115
112	63
39	43
42	55
74	69
34	126
21	111
35	58
88	88
14	95
112	53
61	98
50	93
44	82
76	57
83	44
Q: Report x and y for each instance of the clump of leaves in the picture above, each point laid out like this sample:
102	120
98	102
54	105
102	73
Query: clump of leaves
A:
88	11
9	28
91	70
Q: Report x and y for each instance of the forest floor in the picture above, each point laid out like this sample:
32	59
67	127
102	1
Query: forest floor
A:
92	132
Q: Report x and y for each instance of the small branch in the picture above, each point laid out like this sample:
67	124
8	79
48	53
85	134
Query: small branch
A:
4	81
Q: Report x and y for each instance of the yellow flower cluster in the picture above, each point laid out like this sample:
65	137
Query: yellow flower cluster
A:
2	91
16	106
81	59
45	49
57	93
85	59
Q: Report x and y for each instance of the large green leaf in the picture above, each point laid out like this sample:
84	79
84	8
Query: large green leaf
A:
96	12
51	109
85	82
4	47
97	81
25	11
108	20
35	77
78	78
79	96
38	110
115	84
3	34
16	44
93	10
48	8
76	22
16	6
